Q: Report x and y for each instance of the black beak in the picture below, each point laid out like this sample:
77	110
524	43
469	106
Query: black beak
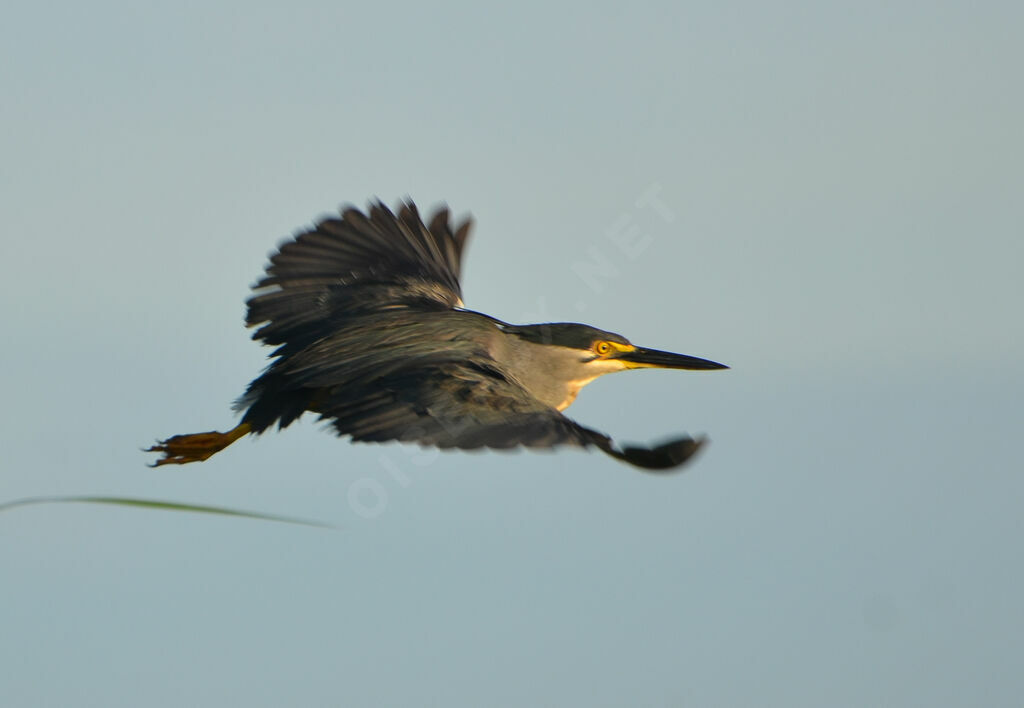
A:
653	358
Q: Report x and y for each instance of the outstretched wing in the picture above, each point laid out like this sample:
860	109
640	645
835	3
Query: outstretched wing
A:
359	263
468	407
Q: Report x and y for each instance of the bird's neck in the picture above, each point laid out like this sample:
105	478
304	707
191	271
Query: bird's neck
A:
549	373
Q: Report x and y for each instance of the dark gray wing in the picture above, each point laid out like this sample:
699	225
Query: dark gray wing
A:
468	407
356	264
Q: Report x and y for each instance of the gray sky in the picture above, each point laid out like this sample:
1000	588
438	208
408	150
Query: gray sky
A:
825	197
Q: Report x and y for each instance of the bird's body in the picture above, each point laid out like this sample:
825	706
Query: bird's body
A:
366	312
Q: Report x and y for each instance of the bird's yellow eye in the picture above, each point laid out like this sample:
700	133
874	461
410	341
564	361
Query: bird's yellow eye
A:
603	348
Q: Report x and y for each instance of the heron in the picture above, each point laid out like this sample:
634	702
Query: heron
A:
371	334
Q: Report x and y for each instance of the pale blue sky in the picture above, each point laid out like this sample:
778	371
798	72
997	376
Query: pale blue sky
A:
839	219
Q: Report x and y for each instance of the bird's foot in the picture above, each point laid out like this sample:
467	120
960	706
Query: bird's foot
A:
196	447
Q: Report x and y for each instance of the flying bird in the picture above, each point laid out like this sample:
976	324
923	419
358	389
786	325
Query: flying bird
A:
366	312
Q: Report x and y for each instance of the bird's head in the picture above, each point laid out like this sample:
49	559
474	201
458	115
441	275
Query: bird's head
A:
567	356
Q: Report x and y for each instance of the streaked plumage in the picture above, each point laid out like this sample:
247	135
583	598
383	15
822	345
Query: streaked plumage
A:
366	313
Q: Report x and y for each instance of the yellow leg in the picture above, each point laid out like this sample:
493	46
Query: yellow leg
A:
181	449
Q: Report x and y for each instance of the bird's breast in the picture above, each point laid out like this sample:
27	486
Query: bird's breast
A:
571	391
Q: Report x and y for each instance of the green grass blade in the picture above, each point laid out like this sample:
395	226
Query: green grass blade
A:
166	506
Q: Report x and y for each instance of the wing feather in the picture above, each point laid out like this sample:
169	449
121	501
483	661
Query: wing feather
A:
467	407
358	263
